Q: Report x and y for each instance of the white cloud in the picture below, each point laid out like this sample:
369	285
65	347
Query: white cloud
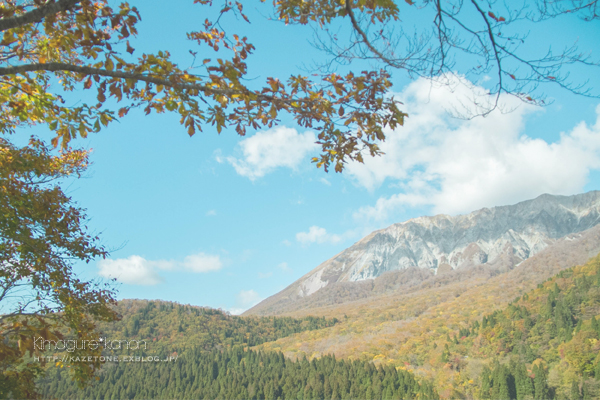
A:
211	213
136	270
268	150
385	207
284	267
202	263
247	298
317	234
244	300
458	166
218	156
325	181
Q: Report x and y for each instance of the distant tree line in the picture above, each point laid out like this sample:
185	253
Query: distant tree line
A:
174	326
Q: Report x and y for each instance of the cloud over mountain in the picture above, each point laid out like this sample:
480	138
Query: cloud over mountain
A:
457	165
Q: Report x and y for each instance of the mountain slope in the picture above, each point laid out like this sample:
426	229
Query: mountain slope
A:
498	238
410	328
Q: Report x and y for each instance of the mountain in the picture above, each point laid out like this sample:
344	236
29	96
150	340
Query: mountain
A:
495	238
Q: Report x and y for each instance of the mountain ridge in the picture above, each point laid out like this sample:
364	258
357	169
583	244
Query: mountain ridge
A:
499	237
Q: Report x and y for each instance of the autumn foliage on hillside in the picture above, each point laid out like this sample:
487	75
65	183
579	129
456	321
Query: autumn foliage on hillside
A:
173	326
213	361
455	329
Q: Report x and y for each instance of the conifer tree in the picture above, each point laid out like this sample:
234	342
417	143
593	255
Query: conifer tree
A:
585	392
445	354
575	395
595	326
542	391
524	386
485	384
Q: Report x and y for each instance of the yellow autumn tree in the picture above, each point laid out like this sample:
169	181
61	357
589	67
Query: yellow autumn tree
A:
41	232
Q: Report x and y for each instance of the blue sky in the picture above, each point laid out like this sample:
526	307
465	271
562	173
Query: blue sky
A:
224	221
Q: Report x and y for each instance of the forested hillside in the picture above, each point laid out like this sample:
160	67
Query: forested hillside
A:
239	374
543	345
210	360
171	326
551	336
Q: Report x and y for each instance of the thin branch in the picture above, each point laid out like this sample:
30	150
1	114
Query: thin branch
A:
28	314
36	15
62	67
364	37
495	49
442	37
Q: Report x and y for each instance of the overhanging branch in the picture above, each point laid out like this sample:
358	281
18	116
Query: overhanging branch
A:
36	15
62	67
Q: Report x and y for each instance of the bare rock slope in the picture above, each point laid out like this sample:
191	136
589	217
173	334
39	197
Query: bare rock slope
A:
497	238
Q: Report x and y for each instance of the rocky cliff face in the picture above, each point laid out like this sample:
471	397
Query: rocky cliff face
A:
440	244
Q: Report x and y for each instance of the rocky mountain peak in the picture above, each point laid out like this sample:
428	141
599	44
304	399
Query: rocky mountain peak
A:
442	243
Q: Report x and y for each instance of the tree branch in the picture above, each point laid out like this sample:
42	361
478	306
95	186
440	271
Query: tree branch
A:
36	15
364	37
494	49
58	67
439	23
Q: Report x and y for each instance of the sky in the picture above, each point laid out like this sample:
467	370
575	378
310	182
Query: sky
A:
226	221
